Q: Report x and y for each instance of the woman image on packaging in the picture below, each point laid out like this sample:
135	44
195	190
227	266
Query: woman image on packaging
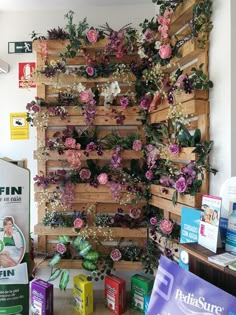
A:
12	243
215	217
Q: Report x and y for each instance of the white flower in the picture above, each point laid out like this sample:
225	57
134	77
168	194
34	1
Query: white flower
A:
140	37
157	45
141	53
114	88
81	87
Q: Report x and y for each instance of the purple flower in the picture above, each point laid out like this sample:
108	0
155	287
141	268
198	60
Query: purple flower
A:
145	102
90	71
124	102
115	254
137	145
181	185
61	248
149	175
165	181
84	173
91	147
153	221
116	159
35	108
174	149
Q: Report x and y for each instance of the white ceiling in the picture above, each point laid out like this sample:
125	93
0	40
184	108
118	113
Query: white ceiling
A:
29	5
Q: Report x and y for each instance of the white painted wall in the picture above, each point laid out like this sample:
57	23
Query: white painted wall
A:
16	26
221	109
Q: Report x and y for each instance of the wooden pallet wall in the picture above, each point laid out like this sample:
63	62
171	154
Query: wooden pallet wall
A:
195	107
85	195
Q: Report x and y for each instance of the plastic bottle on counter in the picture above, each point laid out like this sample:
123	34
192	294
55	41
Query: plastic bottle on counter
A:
230	244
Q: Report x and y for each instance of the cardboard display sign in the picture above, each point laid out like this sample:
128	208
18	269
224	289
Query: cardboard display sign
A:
14	239
177	291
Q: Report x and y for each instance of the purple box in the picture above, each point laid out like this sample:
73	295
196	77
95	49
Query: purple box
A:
41	297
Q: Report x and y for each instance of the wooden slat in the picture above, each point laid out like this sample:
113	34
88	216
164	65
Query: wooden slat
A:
185	154
77	264
40	229
182	15
60	45
98	121
126	154
184	199
189	51
162	203
190	108
72	79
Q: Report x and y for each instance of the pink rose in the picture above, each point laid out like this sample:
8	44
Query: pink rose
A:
166	226
61	248
135	213
149	175
85	173
137	145
102	178
165	51
92	36
85	96
73	158
153	221
174	149
115	254
78	223
90	71
70	143
181	185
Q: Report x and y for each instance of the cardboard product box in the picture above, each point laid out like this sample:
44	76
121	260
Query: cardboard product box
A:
83	295
41	297
115	294
141	286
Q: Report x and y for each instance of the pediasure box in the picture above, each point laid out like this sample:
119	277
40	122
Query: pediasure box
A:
141	287
115	294
41	297
83	295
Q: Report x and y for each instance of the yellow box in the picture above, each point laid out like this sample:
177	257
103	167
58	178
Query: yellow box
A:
83	295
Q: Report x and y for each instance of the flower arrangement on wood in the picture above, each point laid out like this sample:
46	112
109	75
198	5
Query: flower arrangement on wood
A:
164	231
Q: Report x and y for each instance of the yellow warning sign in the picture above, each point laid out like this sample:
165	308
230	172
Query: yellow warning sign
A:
19	126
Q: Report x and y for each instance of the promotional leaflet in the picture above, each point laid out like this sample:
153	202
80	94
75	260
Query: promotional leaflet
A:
179	292
209	236
190	220
14	239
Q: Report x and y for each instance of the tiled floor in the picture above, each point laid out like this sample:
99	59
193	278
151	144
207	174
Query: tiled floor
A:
63	304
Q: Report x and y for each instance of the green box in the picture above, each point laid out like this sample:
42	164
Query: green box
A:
141	286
